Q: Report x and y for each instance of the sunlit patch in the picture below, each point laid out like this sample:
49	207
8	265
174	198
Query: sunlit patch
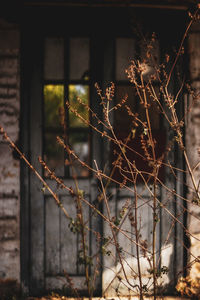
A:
115	283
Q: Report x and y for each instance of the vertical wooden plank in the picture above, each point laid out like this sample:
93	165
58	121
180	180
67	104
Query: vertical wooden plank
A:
124	243
108	250
145	219
36	196
179	228
86	220
68	247
109	280
24	171
129	254
102	73
179	212
174	203
52	237
96	233
126	250
145	233
167	221
167	224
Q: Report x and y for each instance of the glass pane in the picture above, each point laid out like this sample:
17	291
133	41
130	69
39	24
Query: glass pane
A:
53	154
53	106
79	58
81	91
54	121
79	141
122	119
54	59
125	52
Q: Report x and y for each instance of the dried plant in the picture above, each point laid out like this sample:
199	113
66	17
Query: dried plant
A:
144	272
188	286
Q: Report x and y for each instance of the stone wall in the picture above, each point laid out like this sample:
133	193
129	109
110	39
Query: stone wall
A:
9	165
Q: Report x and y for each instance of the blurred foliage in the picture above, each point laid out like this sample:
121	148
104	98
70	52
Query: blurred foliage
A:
81	91
54	114
53	105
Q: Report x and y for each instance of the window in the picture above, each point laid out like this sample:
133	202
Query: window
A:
128	49
66	78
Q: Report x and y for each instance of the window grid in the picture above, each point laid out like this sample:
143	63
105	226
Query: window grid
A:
68	129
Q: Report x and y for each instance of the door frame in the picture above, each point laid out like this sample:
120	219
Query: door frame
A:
32	255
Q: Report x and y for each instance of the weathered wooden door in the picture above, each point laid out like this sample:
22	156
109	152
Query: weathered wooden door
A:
56	69
120	264
61	67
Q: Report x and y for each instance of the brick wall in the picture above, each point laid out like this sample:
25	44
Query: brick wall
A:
9	166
